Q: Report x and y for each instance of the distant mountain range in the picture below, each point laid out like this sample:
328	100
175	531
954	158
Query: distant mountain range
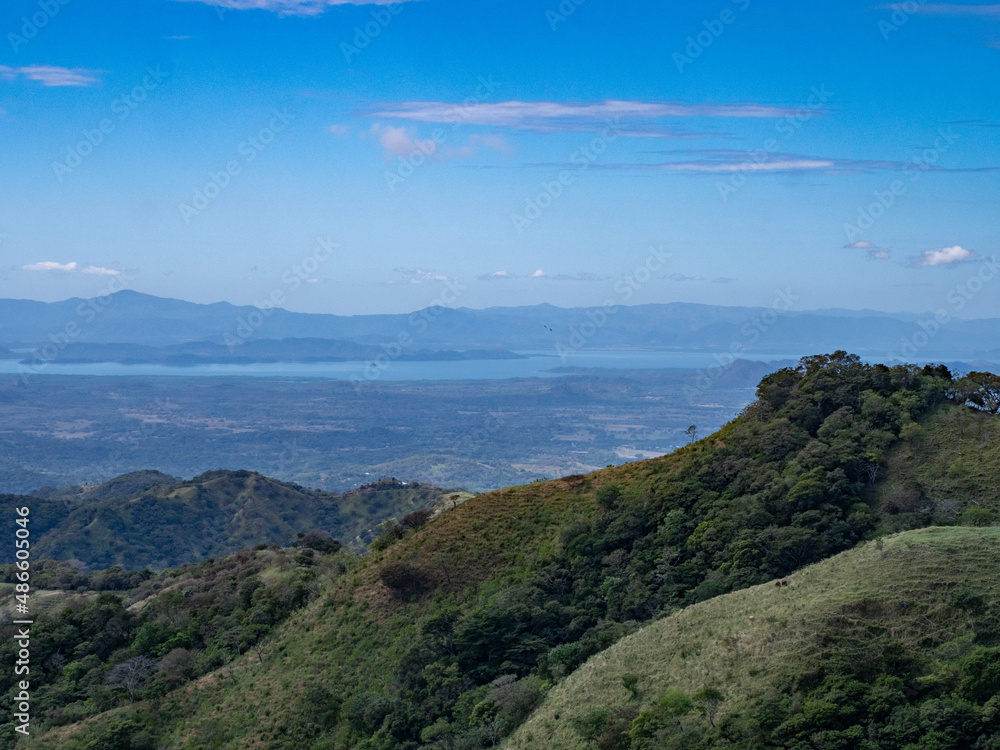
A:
129	317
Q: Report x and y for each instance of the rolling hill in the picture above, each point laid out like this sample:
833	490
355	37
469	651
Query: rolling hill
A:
148	519
452	633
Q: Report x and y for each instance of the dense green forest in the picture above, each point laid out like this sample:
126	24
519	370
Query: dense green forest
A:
453	630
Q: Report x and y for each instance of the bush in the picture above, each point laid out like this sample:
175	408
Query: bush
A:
403	580
320	541
976	517
417	518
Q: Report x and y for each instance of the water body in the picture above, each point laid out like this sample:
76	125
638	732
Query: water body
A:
537	364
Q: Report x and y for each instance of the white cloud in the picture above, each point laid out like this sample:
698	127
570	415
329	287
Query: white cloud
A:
338	129
418	276
400	142
562	116
49	265
789	165
496	276
943	256
539	274
71	267
291	7
52	75
406	143
682	277
874	251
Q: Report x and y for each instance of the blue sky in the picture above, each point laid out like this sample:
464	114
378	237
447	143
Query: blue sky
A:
500	153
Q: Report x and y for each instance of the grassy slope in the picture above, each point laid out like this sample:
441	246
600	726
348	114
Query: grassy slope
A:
714	643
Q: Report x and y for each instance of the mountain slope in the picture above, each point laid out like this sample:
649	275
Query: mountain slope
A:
149	519
917	608
451	635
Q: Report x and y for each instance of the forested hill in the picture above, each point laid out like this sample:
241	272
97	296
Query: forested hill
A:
152	519
450	633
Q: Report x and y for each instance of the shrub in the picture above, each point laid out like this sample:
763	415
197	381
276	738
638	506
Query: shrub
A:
402	579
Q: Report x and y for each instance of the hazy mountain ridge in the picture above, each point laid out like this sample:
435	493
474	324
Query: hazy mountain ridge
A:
129	317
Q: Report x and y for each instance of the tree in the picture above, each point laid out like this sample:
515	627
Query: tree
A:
130	675
980	390
709	699
692	433
417	518
320	541
402	579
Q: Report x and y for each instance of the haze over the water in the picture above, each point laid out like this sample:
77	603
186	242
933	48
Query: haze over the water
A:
365	158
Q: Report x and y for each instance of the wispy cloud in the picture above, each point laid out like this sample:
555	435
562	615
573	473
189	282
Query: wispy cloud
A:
946	9
49	265
71	267
944	256
727	161
780	165
417	276
873	251
635	118
291	7
401	142
51	75
538	275
497	276
723	280
683	277
405	143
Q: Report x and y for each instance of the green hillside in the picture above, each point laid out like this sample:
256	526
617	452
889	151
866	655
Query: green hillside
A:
887	644
147	519
450	633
